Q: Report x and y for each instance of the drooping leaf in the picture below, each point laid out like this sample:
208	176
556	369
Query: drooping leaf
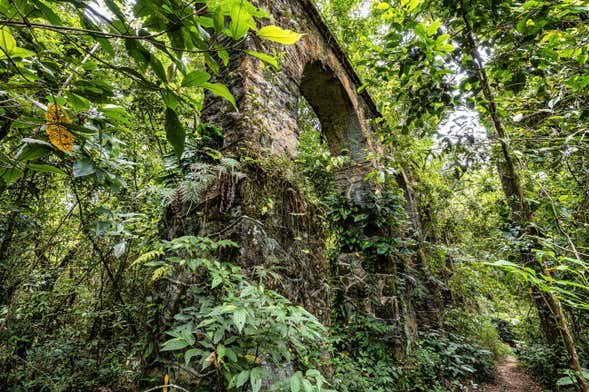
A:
10	174
239	317
175	132
222	91
174	344
265	58
277	34
84	167
242	378
195	79
41	168
241	21
7	43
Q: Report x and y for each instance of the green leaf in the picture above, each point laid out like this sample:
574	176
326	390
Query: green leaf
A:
175	344
33	151
222	91
22	53
564	381
10	174
78	103
265	58
446	48
189	354
231	355
239	317
223	55
216	281
241	22
158	68
276	34
48	14
116	114
187	335
410	5
170	99
256	375
46	169
295	382
433	27
219	334
242	378
221	351
195	79
84	167
175	132
7	43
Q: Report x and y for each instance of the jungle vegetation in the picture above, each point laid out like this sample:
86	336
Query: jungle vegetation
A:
485	112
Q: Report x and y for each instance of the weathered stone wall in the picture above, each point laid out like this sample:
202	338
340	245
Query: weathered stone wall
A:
259	206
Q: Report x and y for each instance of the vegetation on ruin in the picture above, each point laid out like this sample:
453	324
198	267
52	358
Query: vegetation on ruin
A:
482	201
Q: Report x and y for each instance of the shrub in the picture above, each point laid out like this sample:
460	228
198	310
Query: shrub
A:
478	330
362	356
542	362
234	332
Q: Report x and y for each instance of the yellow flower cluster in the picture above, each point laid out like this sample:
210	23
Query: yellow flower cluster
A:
58	134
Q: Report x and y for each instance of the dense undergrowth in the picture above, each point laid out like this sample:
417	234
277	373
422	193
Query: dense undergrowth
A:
62	333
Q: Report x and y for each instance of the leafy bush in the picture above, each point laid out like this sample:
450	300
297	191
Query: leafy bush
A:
476	329
456	358
542	362
235	332
362	357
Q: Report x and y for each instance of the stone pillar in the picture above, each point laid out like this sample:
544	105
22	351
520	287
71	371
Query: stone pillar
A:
257	205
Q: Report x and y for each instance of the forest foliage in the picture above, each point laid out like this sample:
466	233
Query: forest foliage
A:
485	113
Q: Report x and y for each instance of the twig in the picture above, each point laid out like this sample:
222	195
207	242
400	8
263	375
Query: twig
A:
168	386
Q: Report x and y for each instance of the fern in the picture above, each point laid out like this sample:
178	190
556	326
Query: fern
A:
148	256
161	272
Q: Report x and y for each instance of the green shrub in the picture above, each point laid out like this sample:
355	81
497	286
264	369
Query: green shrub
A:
476	329
362	356
542	362
234	332
458	358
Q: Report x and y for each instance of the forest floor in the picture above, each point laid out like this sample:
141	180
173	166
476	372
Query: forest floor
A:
511	379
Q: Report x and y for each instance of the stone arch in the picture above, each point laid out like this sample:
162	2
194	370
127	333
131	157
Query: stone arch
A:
340	124
259	206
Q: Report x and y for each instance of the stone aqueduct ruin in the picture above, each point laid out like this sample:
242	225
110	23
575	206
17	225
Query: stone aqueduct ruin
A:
289	236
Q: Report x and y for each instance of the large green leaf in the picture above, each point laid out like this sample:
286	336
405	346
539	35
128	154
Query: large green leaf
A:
195	79
241	22
175	132
84	167
239	318
7	43
41	168
174	344
10	174
222	91
277	34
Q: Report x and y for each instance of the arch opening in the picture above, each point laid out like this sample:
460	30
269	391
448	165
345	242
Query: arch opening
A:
339	121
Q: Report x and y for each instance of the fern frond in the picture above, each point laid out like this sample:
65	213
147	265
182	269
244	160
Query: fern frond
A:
148	256
161	272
